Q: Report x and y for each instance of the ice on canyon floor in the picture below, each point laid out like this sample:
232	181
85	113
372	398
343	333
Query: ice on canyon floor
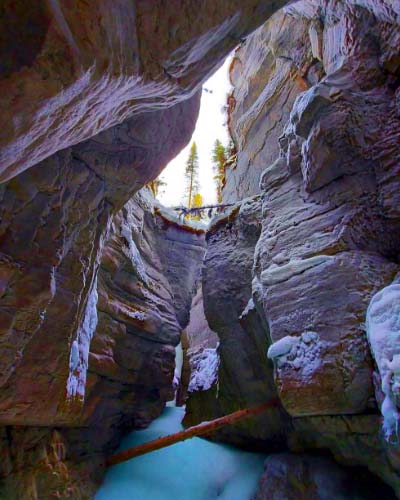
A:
383	331
191	470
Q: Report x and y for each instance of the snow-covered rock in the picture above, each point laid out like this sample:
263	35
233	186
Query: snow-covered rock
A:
383	330
203	369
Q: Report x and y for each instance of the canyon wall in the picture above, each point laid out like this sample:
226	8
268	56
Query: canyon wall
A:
95	289
69	71
315	119
96	98
137	321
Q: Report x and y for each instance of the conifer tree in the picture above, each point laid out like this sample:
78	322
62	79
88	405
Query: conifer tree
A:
192	175
219	160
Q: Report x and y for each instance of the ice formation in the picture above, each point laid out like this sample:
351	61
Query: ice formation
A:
195	469
178	365
204	369
133	253
79	354
383	331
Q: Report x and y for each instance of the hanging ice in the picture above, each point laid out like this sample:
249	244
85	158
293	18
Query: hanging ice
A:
383	331
79	354
133	253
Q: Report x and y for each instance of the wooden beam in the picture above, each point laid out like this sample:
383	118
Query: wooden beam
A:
197	430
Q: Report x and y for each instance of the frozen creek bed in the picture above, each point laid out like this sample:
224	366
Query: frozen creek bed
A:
195	469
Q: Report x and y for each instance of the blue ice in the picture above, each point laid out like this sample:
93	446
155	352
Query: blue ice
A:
195	469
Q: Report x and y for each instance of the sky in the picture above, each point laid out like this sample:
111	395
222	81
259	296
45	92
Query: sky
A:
211	125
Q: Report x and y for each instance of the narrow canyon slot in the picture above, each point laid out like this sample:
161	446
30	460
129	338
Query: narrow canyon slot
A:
200	238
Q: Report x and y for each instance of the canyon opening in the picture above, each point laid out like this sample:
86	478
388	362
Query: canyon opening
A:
255	295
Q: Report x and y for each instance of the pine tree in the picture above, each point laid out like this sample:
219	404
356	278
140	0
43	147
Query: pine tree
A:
192	175
219	160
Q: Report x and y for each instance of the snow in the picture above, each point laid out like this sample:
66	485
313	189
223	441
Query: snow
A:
79	354
204	369
303	354
178	365
282	347
249	307
191	470
383	331
171	216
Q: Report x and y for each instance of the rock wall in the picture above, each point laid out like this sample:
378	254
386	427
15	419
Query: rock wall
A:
70	71
130	363
55	219
267	74
315	118
95	100
245	376
304	477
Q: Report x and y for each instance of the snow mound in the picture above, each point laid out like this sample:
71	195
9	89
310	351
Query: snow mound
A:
195	469
383	331
282	347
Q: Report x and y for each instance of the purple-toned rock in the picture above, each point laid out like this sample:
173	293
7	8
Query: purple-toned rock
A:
69	71
125	378
313	477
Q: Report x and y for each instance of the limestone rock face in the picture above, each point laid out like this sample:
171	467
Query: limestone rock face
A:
69	71
307	477
131	360
132	356
328	224
267	74
330	237
55	219
245	375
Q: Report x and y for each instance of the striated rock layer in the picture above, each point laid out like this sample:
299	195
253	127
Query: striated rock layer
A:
96	98
55	219
245	375
131	358
70	70
314	114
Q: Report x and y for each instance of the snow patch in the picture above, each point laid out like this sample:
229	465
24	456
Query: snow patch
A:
249	307
282	347
79	354
383	332
303	354
203	369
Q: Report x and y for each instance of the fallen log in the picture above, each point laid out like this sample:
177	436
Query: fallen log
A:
197	430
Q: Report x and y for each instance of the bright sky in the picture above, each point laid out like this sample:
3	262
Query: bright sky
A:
210	126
